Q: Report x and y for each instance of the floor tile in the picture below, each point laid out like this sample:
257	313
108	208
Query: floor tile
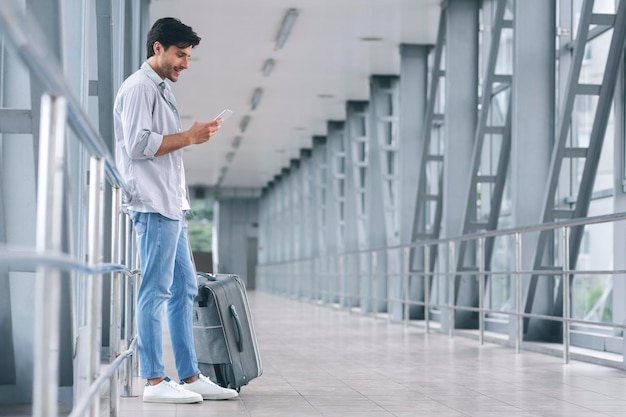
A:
326	362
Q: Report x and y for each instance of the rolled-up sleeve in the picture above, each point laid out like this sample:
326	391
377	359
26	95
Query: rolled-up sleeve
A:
136	117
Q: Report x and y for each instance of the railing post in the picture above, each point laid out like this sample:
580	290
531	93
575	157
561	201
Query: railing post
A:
406	281
519	320
481	290
374	281
94	283
388	278
566	295
116	294
129	310
451	292
49	238
427	272
136	282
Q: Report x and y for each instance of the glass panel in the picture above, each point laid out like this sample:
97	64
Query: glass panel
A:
391	159
592	293
388	133
591	298
501	286
604	6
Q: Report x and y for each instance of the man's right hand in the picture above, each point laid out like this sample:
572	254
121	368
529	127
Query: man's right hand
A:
197	134
202	132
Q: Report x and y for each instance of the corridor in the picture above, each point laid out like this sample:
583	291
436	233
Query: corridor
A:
320	361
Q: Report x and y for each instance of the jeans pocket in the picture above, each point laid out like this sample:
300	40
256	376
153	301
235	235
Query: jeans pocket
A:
139	222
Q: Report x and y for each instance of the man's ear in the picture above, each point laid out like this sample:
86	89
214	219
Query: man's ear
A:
157	47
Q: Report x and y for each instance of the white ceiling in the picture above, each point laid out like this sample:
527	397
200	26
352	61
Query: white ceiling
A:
324	55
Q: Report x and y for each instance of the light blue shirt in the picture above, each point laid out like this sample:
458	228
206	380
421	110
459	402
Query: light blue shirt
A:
144	112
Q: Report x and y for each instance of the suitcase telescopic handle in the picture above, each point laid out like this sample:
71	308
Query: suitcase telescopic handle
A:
238	334
206	275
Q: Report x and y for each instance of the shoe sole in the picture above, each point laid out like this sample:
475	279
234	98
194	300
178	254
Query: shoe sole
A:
219	396
172	400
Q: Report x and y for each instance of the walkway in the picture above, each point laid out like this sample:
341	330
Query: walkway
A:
323	362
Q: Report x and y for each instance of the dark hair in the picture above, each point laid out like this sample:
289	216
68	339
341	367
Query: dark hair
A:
170	31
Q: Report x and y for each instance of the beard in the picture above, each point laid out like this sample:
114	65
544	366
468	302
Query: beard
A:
170	72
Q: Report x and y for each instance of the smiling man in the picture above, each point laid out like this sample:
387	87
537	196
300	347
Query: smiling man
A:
149	155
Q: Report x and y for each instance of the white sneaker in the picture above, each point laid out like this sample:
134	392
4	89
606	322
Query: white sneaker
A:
209	390
168	391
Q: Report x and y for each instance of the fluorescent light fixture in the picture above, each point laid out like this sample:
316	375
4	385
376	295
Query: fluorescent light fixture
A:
256	97
243	125
230	156
268	67
285	27
236	142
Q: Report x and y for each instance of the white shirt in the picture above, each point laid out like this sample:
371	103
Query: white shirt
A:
144	112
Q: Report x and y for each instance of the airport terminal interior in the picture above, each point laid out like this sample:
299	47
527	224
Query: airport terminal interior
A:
425	201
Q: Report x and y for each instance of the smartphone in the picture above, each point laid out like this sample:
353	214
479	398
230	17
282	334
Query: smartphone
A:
225	114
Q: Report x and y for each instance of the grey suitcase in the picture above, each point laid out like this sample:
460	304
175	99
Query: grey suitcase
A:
224	335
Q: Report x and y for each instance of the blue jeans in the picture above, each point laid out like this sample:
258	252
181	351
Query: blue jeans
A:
168	275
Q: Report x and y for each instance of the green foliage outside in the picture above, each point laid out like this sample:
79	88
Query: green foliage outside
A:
200	227
587	292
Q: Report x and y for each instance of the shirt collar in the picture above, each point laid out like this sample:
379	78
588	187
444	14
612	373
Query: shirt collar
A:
153	76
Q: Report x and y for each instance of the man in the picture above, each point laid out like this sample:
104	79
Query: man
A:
149	155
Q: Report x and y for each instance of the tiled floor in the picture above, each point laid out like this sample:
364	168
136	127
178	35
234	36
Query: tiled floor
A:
323	362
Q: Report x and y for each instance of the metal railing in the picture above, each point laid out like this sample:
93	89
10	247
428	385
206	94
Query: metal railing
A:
370	289
25	259
58	110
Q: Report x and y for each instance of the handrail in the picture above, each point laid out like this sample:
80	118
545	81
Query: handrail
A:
475	236
95	387
18	257
24	257
18	29
331	285
583	221
61	108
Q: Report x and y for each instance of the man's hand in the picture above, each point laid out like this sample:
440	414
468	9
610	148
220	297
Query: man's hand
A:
202	132
198	133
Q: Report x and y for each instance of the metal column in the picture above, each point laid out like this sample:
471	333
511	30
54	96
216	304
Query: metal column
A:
487	175
532	130
336	148
385	195
429	200
461	102
413	102
49	238
590	26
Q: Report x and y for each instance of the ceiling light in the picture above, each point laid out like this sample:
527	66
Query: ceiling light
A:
256	97
243	125
223	170
230	156
325	95
285	27
370	39
236	142
268	67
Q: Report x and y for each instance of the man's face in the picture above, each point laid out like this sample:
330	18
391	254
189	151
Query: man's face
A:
171	62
